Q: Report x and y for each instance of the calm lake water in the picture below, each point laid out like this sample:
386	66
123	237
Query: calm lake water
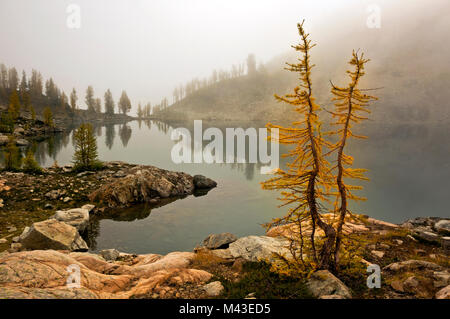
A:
409	171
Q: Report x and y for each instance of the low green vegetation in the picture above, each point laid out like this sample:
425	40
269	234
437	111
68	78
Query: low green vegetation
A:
12	155
14	161
48	117
86	154
258	280
6	123
30	165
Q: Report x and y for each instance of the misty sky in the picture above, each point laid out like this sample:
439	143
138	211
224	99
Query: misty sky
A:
149	47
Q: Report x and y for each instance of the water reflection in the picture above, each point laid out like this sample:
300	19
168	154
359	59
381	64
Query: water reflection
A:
164	127
405	163
110	133
137	212
125	132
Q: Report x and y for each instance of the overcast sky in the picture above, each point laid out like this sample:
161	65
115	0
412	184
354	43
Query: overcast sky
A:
149	47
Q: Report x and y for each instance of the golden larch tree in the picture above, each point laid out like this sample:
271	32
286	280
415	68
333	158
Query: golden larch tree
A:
350	108
307	181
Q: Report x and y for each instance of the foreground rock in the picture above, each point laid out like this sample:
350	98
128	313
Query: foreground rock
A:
443	226
142	184
43	274
351	225
323	284
52	234
411	265
213	289
76	217
255	248
430	229
423	280
110	254
444	293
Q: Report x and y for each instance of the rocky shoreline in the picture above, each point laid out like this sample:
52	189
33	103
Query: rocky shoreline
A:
27	130
29	198
413	256
419	272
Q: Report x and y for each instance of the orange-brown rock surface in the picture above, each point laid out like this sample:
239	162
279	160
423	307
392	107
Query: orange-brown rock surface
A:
44	274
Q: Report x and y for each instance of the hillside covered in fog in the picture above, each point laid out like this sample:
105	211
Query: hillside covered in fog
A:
409	65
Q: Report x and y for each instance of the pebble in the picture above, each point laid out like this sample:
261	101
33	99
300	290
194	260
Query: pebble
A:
67	199
377	253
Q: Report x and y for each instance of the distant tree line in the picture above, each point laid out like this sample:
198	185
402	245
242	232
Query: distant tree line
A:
25	93
196	84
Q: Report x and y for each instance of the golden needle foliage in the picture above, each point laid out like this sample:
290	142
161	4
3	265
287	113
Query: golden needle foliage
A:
350	108
309	181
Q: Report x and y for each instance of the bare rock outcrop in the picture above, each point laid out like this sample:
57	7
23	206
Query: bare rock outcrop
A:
52	234
141	184
291	231
430	229
43	274
424	281
255	248
219	241
202	182
76	217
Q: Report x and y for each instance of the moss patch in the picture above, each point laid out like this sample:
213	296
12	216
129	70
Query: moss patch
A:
257	279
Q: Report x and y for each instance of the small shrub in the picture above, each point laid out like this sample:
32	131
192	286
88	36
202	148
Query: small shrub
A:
30	165
33	113
206	260
12	156
48	117
86	155
14	105
6	123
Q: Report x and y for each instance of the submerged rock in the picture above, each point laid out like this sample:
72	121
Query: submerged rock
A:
52	234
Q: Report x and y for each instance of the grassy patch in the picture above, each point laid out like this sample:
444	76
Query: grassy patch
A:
258	279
